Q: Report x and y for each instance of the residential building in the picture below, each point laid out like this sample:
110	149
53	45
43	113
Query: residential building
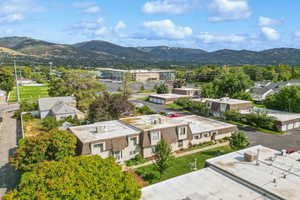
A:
3	96
255	173
217	107
166	98
110	138
128	137
193	92
261	90
206	129
137	75
59	108
156	127
285	120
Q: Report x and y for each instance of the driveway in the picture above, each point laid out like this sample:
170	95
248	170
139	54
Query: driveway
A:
8	144
279	142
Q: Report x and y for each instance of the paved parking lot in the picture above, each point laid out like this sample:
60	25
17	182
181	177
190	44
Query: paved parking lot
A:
279	142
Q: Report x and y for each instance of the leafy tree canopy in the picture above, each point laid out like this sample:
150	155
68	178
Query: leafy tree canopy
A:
82	177
109	107
287	99
239	140
54	145
162	89
163	156
7	80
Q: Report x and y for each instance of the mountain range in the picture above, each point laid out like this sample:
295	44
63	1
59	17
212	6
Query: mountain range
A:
31	52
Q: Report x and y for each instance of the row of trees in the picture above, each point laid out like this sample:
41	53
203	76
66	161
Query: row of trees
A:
259	119
195	107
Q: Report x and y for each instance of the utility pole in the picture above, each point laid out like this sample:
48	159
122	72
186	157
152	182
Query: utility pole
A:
17	85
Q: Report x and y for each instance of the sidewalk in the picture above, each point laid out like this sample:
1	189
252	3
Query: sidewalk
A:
180	154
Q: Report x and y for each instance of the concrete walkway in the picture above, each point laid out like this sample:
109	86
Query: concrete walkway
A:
180	154
8	144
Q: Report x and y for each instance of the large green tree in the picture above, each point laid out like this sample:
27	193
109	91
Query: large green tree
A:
7	80
238	140
109	107
162	89
81	84
287	99
163	156
82	177
54	145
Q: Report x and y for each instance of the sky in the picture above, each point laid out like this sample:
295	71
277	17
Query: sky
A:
204	24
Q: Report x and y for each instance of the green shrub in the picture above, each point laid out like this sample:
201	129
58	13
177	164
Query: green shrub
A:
138	159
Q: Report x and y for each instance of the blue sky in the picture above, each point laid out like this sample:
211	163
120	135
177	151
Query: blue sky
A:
205	24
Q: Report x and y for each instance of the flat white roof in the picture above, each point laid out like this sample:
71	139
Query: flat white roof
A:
277	174
204	184
109	129
186	89
168	96
201	124
134	70
279	115
156	121
223	100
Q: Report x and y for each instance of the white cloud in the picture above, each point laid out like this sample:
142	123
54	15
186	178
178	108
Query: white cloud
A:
212	38
88	7
166	29
266	21
270	33
120	25
15	10
223	10
167	6
95	28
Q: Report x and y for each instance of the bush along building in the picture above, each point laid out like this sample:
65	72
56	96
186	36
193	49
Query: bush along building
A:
128	137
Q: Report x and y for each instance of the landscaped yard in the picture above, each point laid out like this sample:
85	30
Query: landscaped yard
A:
181	165
33	127
29	93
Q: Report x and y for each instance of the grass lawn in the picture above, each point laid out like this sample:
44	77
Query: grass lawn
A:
33	127
180	166
29	93
174	106
259	105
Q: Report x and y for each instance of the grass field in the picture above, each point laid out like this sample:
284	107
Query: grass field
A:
29	93
181	165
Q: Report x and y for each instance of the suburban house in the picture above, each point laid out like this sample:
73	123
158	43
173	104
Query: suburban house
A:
2	97
59	108
285	120
255	173
166	98
217	107
206	129
109	138
261	90
193	92
128	137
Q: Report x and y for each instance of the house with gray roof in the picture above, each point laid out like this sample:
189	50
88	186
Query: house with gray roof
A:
59	108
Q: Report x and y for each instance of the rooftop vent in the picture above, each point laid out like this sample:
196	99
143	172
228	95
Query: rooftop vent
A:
100	129
250	156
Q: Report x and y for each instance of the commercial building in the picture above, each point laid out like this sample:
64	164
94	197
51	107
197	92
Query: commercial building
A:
3	96
59	108
256	173
193	92
110	138
136	75
217	107
166	98
128	137
206	129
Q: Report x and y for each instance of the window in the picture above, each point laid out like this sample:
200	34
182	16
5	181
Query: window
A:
196	137
133	140
180	143
133	152
182	131
153	149
98	148
155	136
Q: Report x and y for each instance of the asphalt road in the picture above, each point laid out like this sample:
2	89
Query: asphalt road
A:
8	144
